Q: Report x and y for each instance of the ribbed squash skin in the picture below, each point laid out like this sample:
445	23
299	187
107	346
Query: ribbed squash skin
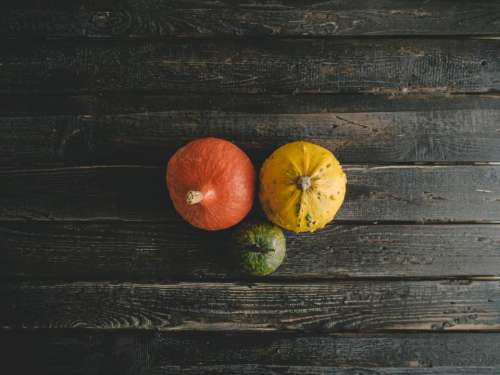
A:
259	247
222	178
302	186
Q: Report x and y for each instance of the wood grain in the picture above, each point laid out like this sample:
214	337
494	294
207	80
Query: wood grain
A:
328	307
201	18
296	370
375	193
147	138
57	352
155	252
378	66
100	93
121	103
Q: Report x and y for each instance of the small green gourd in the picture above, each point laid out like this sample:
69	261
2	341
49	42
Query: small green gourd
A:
259	248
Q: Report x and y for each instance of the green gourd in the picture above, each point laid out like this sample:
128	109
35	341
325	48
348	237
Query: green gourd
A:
259	248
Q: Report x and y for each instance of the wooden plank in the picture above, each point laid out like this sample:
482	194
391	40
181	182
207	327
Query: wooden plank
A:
375	193
153	252
126	102
147	138
202	18
59	352
378	66
328	307
296	370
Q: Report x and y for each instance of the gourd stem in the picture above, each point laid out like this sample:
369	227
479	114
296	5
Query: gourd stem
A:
194	197
304	182
260	249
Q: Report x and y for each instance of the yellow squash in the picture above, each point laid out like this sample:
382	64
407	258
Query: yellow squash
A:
302	186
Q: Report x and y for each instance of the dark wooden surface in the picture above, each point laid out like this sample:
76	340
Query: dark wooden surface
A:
60	352
409	193
99	275
339	306
203	18
253	66
171	252
150	138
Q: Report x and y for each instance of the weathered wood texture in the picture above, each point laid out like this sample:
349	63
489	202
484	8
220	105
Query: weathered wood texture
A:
252	66
129	102
310	370
148	138
335	307
201	18
135	97
262	353
375	193
136	251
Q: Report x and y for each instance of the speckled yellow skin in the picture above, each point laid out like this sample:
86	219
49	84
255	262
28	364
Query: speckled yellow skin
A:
281	196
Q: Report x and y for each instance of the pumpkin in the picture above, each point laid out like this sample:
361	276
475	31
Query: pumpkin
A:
302	186
259	248
211	183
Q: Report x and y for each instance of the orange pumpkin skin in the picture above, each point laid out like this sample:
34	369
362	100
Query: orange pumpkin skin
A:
211	183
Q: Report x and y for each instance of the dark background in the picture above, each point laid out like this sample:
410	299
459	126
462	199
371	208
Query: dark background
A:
101	276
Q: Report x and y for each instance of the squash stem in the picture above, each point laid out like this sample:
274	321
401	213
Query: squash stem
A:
194	197
260	249
304	182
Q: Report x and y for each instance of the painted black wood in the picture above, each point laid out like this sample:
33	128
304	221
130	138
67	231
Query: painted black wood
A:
63	352
201	18
172	251
252	66
138	193
325	307
147	138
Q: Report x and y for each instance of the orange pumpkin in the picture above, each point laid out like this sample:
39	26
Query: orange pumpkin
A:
211	183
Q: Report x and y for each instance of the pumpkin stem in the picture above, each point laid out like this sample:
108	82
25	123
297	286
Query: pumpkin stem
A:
194	197
304	182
